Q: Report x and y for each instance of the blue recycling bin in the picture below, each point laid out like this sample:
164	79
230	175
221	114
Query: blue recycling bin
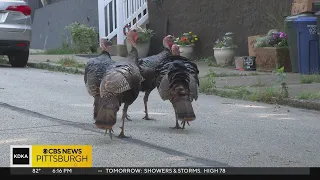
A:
308	45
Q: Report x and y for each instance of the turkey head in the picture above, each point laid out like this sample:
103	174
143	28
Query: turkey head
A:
168	41
133	37
105	44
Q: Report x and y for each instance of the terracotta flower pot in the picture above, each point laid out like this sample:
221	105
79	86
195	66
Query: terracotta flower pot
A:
238	61
270	58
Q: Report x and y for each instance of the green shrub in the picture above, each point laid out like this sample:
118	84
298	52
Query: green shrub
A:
84	38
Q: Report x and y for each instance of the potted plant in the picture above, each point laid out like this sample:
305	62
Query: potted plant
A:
225	50
143	41
272	52
186	43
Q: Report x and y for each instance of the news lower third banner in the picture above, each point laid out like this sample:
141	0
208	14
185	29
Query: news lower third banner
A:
165	171
50	156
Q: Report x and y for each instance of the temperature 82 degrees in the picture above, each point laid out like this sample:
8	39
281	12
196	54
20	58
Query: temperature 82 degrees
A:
36	170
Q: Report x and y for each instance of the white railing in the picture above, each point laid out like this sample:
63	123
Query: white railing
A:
114	15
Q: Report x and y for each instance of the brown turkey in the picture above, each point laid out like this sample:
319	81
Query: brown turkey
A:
120	84
148	70
178	82
94	71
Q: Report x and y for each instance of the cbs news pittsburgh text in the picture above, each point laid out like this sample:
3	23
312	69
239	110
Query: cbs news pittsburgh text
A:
51	156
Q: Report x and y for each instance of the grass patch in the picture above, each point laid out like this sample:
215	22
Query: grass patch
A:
67	65
308	95
259	83
70	62
207	86
59	68
241	93
254	74
267	96
234	87
309	79
209	61
212	73
58	51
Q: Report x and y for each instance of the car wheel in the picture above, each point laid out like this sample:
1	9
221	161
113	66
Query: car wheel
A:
19	59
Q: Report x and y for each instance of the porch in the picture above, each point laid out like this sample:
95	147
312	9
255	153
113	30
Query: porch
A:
115	14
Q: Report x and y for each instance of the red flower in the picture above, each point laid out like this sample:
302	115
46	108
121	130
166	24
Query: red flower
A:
184	39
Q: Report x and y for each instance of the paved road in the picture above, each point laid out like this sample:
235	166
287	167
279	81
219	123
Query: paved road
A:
41	107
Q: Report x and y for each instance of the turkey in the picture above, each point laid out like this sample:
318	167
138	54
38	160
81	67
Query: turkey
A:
120	84
94	71
147	69
178	82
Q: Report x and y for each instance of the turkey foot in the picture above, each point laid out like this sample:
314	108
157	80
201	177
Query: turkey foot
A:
183	123
121	135
177	126
110	132
128	118
147	118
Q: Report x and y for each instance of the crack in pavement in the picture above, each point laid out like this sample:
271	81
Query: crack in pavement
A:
89	127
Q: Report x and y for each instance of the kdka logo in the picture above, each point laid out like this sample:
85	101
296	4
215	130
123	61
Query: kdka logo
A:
20	156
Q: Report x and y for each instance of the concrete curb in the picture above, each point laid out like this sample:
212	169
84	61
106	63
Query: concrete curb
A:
304	104
297	103
56	67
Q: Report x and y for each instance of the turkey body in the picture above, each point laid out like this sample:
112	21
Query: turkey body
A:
147	68
121	84
177	81
93	75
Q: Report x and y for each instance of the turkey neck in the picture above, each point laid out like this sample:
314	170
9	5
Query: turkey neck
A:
105	53
133	56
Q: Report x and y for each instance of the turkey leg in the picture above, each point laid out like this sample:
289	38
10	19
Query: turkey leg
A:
177	124
145	100
96	106
127	116
124	116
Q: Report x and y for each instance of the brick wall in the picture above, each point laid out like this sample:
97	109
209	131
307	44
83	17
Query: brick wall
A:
210	19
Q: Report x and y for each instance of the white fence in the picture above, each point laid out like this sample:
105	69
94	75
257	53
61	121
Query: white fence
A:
114	15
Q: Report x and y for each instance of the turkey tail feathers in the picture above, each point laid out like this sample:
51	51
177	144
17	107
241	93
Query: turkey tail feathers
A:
163	88
184	109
